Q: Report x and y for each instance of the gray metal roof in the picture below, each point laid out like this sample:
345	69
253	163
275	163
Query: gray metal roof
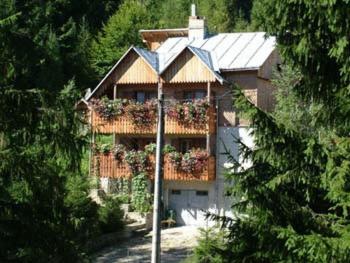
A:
150	57
221	52
228	51
203	55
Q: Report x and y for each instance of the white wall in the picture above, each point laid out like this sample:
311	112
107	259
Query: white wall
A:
226	138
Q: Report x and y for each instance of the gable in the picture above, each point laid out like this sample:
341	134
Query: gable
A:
187	68
134	70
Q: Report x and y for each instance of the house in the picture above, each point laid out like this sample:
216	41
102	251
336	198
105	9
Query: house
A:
195	70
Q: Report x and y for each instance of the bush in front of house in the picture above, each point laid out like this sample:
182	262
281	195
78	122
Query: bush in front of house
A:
210	243
110	215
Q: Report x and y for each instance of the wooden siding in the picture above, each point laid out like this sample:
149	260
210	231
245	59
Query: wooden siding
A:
187	68
172	174
124	125
106	166
133	70
120	125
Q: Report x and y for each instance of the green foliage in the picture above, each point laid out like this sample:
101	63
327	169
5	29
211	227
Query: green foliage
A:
122	29
141	199
119	33
294	199
221	15
110	215
210	243
151	148
168	149
45	212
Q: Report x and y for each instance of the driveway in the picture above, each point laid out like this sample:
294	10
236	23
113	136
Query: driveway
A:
177	244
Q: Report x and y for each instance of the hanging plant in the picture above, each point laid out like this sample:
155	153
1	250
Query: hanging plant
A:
189	112
109	109
138	161
119	151
168	149
142	114
194	161
151	148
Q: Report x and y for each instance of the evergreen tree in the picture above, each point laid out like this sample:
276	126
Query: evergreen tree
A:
120	32
294	199
45	213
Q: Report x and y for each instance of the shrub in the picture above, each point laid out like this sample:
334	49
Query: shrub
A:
141	199
110	215
211	241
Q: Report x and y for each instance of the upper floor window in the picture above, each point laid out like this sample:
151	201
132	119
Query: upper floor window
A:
197	94
142	96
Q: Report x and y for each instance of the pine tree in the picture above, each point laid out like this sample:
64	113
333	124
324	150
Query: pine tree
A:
45	213
295	198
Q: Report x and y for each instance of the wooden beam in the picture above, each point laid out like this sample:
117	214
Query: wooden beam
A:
115	91
208	132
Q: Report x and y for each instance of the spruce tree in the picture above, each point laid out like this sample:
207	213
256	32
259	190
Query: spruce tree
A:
45	212
294	200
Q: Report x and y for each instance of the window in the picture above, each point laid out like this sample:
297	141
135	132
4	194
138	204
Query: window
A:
142	96
202	193
176	192
190	143
198	94
185	146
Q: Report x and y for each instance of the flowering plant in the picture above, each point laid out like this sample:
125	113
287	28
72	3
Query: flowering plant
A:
108	109
142	113
138	161
189	112
119	151
194	161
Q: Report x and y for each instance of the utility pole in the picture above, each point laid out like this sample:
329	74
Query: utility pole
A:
158	177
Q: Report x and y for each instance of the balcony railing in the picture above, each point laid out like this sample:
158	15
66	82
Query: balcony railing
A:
105	165
124	125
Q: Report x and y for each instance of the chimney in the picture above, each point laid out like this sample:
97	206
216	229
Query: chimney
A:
197	27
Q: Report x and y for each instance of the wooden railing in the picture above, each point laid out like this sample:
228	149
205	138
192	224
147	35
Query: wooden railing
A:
105	165
125	125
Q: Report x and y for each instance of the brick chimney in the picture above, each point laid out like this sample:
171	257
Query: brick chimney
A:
197	27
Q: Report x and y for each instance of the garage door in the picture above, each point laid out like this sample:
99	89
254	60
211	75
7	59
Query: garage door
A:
188	205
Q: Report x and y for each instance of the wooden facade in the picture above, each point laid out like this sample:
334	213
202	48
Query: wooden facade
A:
187	68
124	125
106	166
133	69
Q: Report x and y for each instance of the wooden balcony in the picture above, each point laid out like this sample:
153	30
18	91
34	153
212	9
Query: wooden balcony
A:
124	125
106	166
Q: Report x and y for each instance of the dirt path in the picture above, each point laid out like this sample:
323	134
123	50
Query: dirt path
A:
177	244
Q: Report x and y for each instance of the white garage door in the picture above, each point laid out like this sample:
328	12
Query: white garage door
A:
188	205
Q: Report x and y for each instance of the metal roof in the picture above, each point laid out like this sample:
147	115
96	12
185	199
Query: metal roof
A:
220	52
228	51
203	55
